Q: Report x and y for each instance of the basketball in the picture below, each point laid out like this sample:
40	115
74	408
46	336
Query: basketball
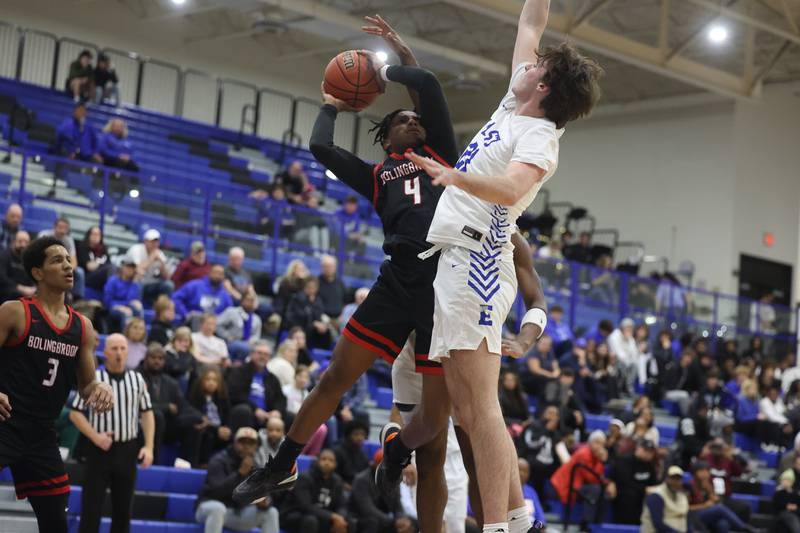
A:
350	77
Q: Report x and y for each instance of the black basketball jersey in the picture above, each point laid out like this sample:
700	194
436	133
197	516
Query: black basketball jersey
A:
37	369
405	199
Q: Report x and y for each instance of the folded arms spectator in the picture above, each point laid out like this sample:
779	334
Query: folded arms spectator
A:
114	146
193	267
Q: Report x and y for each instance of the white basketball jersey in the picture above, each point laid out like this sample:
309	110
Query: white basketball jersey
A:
464	220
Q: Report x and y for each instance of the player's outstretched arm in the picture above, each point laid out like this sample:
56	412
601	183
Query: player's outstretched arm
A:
96	395
380	28
12	320
532	22
532	294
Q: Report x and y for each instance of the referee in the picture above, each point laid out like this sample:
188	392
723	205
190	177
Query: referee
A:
113	448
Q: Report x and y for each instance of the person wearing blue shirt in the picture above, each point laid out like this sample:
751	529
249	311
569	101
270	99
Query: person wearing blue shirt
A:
559	331
115	147
747	410
121	294
530	496
76	139
204	295
354	226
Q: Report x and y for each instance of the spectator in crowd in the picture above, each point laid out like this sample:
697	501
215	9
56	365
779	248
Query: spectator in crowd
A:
298	335
756	350
14	279
786	500
543	446
607	377
238	280
582	250
724	466
290	284
295	183
721	403
666	506
136	333
563	395
240	326
643	427
675	379
114	146
113	448
305	310
552	250
253	385
350	456
10	225
283	366
705	506
614	438
60	231
271	436
632	473
671	298
585	387
295	394
215	506
360	295
693	432
80	79
92	256
600	333
559	331
740	374
788	458
374	512
208	348
332	291
540	377
312	228
355	228
194	267
209	395
152	266
622	343
664	360
76	138
514	404
181	363
173	416
106	89
122	295
777	431
748	414
603	285
589	482
161	329
317	504
351	407
275	209
531	497
203	295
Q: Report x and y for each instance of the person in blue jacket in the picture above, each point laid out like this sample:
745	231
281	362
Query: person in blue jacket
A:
530	496
114	146
76	138
121	295
204	295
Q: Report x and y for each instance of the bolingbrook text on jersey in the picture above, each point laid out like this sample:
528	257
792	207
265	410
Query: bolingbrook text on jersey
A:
399	171
52	346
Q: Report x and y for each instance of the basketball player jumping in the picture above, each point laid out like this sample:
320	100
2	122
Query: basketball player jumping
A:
495	179
47	349
401	300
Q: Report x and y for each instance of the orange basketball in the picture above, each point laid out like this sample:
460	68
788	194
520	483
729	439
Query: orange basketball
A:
350	77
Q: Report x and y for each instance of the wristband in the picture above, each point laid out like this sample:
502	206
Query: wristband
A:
536	317
383	73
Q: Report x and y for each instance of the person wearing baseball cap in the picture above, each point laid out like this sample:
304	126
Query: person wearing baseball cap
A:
152	267
121	294
194	266
666	507
633	473
215	507
706	506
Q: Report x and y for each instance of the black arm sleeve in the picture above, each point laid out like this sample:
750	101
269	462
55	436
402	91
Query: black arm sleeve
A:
434	112
348	168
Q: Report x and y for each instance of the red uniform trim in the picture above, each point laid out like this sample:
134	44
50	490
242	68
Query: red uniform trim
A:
436	156
377	336
430	370
46	492
50	323
395	155
52	481
19	340
372	348
375	170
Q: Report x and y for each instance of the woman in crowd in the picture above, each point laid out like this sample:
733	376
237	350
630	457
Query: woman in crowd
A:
296	394
289	284
136	333
209	395
180	362
747	410
93	259
514	404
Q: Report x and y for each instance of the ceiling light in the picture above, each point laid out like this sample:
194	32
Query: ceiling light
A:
383	56
717	34
178	2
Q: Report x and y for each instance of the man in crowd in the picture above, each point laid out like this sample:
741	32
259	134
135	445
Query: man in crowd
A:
530	495
105	82
622	343
355	228
193	267
271	435
61	231
724	466
121	295
633	473
350	456
204	295
240	326
216	509
559	331
375	513
667	506
252	384
80	77
10	225
238	280
76	138
152	266
332	291
295	183
14	280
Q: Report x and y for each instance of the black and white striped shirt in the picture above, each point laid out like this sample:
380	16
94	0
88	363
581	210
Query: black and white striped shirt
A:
130	400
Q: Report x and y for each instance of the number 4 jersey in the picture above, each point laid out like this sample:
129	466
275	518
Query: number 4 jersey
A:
37	369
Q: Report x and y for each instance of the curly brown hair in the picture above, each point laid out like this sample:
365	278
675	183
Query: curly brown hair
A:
573	82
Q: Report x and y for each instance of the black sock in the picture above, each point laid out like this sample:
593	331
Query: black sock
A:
397	452
287	455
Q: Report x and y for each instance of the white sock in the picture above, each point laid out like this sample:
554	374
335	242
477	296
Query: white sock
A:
496	528
518	520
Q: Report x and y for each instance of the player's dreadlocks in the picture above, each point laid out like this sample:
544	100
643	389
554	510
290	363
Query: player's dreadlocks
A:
381	128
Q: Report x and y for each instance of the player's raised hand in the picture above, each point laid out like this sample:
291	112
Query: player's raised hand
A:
440	174
339	104
380	28
5	407
101	397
